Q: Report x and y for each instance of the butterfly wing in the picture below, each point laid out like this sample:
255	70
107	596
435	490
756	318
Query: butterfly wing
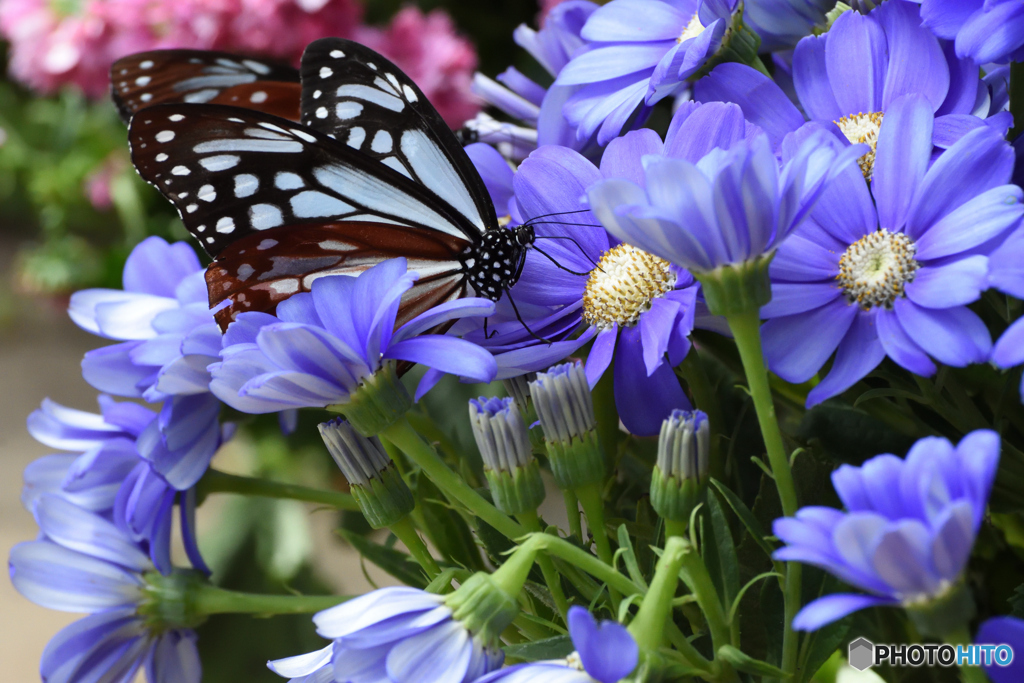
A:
259	271
197	76
360	98
233	172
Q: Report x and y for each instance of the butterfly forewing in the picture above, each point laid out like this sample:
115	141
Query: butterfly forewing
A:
233	172
195	76
259	271
364	101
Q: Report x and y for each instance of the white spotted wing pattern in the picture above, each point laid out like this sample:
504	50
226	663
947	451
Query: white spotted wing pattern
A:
196	76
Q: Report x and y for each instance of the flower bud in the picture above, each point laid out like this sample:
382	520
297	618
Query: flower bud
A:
504	444
374	480
680	476
519	389
566	411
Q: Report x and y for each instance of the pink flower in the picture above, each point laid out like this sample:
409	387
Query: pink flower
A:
97	184
258	27
441	62
545	7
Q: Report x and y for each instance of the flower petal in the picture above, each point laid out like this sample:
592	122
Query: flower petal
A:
859	353
824	611
953	284
954	336
796	346
449	354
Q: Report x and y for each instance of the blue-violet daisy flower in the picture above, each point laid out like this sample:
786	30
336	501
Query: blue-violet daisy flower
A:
889	270
908	529
1006	273
1003	631
84	563
323	344
394	634
983	30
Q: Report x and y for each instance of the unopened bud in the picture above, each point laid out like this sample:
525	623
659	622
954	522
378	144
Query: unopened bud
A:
680	476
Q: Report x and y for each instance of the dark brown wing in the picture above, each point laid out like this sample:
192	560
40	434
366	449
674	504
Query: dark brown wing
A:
196	76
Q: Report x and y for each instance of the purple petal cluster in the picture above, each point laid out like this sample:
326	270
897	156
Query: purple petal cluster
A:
983	31
908	528
106	473
83	562
323	344
392	634
168	338
605	652
888	269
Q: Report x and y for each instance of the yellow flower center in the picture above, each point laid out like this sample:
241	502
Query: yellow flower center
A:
692	30
623	286
876	268
863	128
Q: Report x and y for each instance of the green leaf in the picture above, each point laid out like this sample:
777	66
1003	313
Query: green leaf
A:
1017	602
728	564
629	557
394	562
558	647
819	645
754	527
748	664
446	528
849	434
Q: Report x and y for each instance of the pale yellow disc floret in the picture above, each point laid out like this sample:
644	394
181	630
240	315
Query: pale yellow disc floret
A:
692	30
623	286
875	269
863	129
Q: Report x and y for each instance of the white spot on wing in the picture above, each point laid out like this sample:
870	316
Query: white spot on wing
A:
145	97
161	157
165	136
180	170
273	127
348	110
438	174
365	92
258	97
221	162
264	216
246	185
410	94
175	117
256	66
336	245
303	135
243	145
201	96
337	54
321	112
266	244
143	80
207	193
312	204
148	64
225	225
356	137
192	208
326	72
285	180
381	143
289	286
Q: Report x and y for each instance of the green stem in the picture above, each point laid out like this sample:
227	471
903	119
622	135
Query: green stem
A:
407	534
606	417
681	643
531	521
572	509
1016	99
968	673
581	559
675	529
648	628
210	599
747	334
704	591
405	437
593	507
215	481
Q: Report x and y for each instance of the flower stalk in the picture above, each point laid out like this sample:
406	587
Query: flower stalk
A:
215	481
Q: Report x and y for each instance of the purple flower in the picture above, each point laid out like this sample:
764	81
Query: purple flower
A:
908	529
730	205
580	283
984	31
640	51
168	338
539	108
1006	273
847	79
396	634
323	344
782	23
84	563
108	475
1003	631
605	652
889	271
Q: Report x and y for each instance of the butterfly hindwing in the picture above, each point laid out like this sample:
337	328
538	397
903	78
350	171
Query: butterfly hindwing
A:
197	76
233	172
363	100
261	270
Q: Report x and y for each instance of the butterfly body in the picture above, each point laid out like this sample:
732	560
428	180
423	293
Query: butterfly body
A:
370	173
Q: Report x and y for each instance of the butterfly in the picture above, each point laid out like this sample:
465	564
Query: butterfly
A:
369	172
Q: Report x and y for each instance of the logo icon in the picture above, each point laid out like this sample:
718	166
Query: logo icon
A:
861	654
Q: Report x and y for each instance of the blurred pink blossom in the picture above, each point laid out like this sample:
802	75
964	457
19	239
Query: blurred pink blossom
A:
97	185
545	7
441	62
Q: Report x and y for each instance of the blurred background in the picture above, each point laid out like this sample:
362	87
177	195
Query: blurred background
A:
71	209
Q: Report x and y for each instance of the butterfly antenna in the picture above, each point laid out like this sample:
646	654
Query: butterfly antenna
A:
557	264
578	246
556	213
523	322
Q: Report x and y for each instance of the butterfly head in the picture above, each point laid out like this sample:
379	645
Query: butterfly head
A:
494	264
